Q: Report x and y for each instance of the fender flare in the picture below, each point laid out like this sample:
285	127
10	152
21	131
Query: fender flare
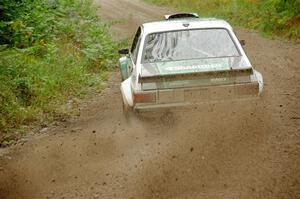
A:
126	92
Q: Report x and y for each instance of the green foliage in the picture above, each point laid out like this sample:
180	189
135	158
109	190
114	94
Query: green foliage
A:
50	52
23	22
279	17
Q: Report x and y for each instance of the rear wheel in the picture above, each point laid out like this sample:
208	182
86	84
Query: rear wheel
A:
126	110
129	113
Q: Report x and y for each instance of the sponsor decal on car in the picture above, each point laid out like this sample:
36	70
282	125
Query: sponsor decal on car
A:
190	67
195	67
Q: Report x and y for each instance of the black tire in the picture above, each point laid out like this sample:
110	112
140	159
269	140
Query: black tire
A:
129	113
127	110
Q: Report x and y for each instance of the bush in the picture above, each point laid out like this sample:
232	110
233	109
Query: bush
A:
281	17
50	52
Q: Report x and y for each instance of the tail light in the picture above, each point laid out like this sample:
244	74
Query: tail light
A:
144	97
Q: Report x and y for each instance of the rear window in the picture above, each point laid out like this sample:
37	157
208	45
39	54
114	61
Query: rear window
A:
188	44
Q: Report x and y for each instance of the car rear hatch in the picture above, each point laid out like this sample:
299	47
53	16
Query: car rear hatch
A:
189	82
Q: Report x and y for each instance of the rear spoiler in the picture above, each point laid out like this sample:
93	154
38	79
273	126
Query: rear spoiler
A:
196	75
181	15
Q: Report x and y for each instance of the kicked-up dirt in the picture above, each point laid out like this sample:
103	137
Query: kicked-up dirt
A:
237	149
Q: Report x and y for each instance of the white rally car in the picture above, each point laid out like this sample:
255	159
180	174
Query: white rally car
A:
185	60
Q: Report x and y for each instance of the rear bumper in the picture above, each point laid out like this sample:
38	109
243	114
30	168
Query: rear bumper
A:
185	105
188	97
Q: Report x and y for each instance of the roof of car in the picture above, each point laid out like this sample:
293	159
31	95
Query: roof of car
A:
184	23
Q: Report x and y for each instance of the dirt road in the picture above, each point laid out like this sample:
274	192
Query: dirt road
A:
229	150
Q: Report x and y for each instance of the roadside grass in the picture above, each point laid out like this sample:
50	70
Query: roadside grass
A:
51	52
275	18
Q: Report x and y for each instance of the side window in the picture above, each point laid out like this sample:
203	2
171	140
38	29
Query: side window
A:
135	45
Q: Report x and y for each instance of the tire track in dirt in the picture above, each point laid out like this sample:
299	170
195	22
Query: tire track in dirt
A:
229	150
